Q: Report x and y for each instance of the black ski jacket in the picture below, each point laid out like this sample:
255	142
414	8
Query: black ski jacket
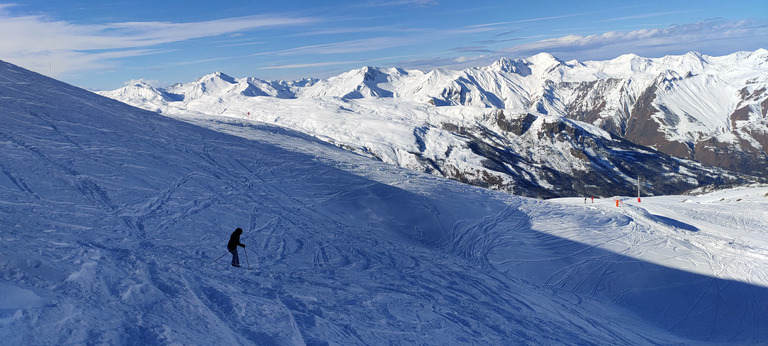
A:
234	241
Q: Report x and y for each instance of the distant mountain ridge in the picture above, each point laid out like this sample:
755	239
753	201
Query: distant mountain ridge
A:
474	125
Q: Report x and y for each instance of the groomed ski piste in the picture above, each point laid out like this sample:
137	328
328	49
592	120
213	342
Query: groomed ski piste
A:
111	218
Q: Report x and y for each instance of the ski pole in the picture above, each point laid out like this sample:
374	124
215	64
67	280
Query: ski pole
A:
246	257
214	261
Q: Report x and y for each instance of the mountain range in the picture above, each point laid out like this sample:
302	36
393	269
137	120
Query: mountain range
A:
539	126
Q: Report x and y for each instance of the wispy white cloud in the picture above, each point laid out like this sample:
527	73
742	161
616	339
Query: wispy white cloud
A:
360	29
709	37
647	15
702	36
527	20
329	49
150	33
243	44
310	65
398	3
713	37
34	40
352	46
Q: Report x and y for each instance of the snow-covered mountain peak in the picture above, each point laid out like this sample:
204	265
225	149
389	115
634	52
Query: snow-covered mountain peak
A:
760	54
516	66
440	73
695	56
214	83
575	63
216	77
693	62
371	74
396	71
543	63
758	57
669	76
142	93
141	84
138	87
364	82
544	58
630	63
359	75
627	57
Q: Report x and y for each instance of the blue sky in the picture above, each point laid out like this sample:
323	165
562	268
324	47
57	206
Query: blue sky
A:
103	44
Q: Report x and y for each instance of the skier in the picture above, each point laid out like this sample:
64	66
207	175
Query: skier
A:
234	242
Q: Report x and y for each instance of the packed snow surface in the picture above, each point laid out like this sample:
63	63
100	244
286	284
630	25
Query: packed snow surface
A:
111	219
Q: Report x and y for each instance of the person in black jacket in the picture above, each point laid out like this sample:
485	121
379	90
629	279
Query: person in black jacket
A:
234	242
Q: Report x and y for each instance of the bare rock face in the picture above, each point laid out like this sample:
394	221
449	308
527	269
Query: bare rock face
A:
570	159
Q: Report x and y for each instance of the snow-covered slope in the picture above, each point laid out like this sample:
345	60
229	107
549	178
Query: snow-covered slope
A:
457	123
111	213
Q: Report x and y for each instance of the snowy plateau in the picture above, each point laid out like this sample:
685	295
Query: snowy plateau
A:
537	127
112	218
